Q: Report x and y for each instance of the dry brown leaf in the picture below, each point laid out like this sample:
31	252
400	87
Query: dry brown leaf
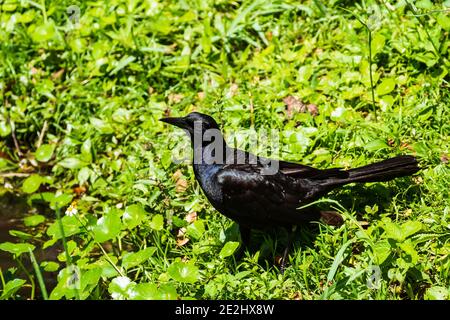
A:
391	142
181	185
312	109
417	179
182	242
191	217
297	296
201	95
79	190
293	105
58	74
181	232
234	88
175	98
177	175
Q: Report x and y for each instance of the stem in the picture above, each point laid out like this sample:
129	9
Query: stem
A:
2	278
66	250
321	7
29	277
100	247
37	270
44	11
436	51
370	71
370	56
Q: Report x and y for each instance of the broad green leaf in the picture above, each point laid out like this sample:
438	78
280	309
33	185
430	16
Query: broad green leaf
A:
421	149
411	227
9	5
228	249
5	164
196	229
338	113
32	183
16	248
150	291
145	291
375	145
184	272
444	21
68	283
386	102
11	287
101	125
121	287
86	151
71	226
122	115
157	222
108	271
5	129
132	259
437	293
72	163
33	221
20	234
424	4
409	249
168	292
89	280
393	231
377	45
429	58
107	227
83	175
400	233
60	201
133	216
50	266
45	152
43	32
386	86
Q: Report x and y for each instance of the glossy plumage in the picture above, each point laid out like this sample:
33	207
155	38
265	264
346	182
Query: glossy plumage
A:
241	191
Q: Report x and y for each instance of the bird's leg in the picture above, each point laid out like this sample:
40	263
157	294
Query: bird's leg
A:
245	240
286	250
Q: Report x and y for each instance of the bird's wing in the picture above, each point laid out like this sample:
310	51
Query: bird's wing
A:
291	169
252	198
300	171
241	179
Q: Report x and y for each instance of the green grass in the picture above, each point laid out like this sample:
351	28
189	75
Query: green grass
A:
82	103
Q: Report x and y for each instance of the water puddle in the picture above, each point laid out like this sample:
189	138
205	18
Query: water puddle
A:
13	209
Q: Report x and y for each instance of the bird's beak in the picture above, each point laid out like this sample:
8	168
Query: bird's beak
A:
179	122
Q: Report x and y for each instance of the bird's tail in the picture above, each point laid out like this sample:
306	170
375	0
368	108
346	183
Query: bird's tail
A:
381	171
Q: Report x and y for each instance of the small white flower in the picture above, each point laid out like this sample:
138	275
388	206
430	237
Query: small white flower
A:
23	79
72	210
8	185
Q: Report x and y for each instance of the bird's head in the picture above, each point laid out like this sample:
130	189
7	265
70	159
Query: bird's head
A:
194	123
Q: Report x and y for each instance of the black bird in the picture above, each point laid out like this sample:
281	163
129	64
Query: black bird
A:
242	187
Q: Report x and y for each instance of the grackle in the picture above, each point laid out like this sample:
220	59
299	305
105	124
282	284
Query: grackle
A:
261	193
